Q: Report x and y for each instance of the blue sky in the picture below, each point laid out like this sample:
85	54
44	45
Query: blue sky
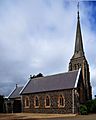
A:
39	35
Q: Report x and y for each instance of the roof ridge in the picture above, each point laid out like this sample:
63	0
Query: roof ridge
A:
54	75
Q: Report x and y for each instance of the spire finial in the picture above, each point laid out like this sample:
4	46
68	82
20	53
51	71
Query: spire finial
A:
78	9
78	6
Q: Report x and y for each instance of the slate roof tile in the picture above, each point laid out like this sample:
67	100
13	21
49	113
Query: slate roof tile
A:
50	83
15	93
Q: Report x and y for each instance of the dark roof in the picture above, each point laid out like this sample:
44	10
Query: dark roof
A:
15	93
49	83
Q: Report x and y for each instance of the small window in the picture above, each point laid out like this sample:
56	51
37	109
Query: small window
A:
27	103
47	101
36	102
61	101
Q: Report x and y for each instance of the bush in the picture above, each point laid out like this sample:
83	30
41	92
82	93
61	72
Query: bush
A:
83	110
91	106
1	104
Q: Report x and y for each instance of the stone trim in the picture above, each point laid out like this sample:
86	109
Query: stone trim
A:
61	101
73	104
26	102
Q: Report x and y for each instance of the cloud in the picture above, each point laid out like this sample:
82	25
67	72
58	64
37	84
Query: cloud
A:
89	39
39	36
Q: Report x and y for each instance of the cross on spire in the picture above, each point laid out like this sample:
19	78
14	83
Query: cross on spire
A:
78	6
78	10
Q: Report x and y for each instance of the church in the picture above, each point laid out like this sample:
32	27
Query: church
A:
60	93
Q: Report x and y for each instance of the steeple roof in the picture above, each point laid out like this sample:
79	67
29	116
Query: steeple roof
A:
78	51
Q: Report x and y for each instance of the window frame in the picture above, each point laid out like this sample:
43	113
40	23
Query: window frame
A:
61	101
47	106
26	102
35	104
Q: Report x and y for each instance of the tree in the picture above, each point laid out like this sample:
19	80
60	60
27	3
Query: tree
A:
35	76
39	75
91	106
1	103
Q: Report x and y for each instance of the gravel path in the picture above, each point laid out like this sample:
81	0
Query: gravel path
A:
31	116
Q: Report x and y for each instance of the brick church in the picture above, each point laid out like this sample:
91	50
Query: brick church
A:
60	93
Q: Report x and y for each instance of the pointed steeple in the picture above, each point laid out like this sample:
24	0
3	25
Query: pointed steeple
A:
78	52
79	60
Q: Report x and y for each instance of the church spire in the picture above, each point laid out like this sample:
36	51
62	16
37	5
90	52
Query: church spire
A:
79	60
78	41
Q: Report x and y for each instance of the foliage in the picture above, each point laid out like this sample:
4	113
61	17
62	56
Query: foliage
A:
1	103
83	110
91	106
39	75
35	76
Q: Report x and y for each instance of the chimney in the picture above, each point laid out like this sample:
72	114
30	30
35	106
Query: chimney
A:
16	85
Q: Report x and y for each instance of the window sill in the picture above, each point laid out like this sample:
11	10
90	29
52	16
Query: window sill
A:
26	107
47	106
61	106
36	107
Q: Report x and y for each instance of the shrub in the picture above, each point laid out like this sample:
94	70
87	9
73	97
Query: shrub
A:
91	106
83	110
1	103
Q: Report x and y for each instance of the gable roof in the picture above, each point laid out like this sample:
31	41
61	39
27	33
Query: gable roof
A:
50	83
15	93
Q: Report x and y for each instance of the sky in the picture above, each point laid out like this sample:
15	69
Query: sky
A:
38	36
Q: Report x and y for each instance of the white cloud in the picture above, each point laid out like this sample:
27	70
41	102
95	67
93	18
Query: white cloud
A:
38	36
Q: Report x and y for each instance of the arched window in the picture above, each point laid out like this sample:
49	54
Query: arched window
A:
36	102
47	101
27	103
61	101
